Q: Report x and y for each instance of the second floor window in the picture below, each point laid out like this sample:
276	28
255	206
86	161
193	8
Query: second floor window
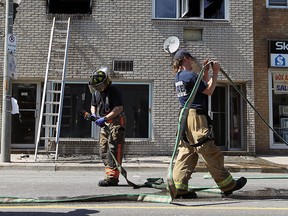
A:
189	9
69	6
278	3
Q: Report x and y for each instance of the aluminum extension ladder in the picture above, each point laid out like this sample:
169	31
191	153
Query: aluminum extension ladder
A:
49	124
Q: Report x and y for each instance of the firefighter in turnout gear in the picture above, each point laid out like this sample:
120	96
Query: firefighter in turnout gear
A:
107	101
198	137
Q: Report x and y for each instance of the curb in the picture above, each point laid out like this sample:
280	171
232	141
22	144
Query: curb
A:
132	167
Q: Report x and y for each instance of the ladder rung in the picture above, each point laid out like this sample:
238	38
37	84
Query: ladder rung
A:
60	31
56	70
61	21
59	50
52	126
50	114
55	81
52	102
46	138
60	40
58	60
53	91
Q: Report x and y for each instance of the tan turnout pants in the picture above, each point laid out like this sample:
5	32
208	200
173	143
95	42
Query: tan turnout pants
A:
112	140
197	127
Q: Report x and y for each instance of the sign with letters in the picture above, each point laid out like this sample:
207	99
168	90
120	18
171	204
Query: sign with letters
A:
278	53
280	82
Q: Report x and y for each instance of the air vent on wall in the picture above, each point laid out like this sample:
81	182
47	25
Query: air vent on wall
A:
122	65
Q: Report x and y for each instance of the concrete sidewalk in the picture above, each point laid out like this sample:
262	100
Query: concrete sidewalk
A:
263	164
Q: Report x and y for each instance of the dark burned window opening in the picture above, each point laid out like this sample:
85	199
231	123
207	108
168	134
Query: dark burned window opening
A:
69	6
214	9
123	65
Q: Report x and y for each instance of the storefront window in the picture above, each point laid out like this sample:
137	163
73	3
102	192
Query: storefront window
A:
280	106
136	106
76	97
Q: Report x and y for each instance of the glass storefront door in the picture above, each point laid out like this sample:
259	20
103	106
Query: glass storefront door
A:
225	109
23	128
235	121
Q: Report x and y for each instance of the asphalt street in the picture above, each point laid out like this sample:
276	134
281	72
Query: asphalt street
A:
264	194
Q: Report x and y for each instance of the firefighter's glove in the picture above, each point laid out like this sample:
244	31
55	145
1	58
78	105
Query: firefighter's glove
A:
101	121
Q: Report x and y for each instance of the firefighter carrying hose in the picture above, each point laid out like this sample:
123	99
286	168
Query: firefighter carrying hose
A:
107	100
198	137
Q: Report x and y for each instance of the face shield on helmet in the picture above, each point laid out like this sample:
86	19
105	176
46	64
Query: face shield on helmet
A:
99	81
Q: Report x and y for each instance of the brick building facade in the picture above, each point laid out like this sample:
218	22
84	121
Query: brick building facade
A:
269	24
134	32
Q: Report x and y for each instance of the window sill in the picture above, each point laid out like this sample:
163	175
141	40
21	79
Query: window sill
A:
277	7
194	21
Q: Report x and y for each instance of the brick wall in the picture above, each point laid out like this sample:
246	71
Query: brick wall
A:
124	30
268	24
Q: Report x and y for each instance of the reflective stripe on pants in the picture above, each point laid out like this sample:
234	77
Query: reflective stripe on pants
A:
187	158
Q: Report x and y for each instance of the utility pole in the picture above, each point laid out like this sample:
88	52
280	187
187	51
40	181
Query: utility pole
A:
7	89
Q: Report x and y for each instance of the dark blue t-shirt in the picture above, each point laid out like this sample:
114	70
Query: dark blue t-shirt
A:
184	83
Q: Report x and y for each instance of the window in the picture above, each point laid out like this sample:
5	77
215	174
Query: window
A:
69	6
279	101
136	99
76	97
278	3
191	9
165	8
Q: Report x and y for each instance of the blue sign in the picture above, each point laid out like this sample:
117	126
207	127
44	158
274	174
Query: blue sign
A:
280	61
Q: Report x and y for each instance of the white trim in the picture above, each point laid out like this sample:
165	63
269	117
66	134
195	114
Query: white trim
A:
271	136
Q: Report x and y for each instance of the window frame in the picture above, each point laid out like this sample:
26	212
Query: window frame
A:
179	13
276	6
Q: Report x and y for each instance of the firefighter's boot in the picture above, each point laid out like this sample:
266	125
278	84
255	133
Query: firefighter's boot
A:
240	183
107	183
